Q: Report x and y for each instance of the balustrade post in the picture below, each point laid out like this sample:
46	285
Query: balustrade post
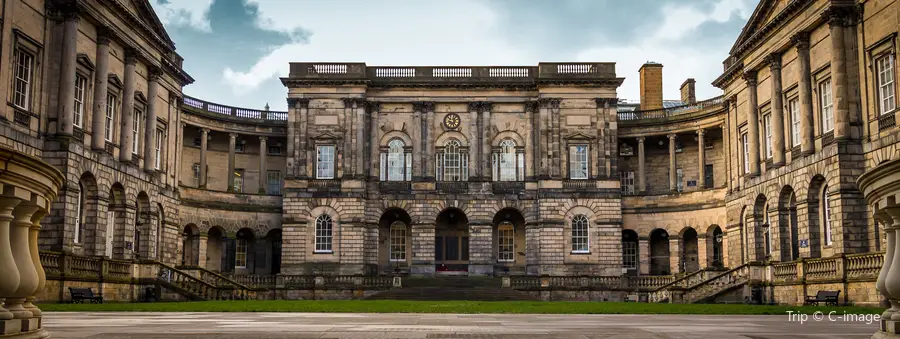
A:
887	262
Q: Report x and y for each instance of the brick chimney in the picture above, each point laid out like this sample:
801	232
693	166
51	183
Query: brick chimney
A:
688	94
651	86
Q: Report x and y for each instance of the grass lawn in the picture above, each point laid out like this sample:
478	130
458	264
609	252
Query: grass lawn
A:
402	306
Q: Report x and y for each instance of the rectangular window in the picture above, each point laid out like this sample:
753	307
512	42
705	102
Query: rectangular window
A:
629	255
746	142
396	165
578	162
135	131
273	181
239	146
274	150
80	87
23	70
708	180
826	216
767	127
325	162
794	108
196	169
679	180
627	179
827	106
238	184
159	147
109	126
240	253
398	242
885	78
506	251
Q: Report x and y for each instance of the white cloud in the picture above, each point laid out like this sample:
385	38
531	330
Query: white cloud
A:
184	13
463	32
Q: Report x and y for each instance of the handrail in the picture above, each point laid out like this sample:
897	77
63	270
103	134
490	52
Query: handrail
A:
237	112
203	290
671	111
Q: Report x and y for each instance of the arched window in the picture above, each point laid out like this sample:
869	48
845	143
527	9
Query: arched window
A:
506	247
324	233
767	231
136	247
398	241
580	239
508	164
452	163
160	221
825	207
79	214
398	165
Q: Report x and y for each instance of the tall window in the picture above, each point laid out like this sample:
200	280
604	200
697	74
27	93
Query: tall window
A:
240	253
196	169
746	142
794	107
159	146
827	106
273	181
79	214
578	162
627	181
767	126
398	241
452	163
679	180
508	165
135	130
274	149
885	68
826	215
324	233
80	86
580	239
110	114
767	231
396	160
506	243
325	162
629	255
708	179
24	68
238	183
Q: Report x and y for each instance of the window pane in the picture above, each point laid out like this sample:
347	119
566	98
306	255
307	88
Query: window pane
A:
159	145
885	80
794	106
24	65
396	161
325	162
506	242
767	126
746	143
238	184
135	128
323	233
578	162
273	182
398	241
827	106
507	159
580	241
80	86
110	113
240	253
452	162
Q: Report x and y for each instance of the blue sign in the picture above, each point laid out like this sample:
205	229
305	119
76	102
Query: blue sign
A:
692	183
804	243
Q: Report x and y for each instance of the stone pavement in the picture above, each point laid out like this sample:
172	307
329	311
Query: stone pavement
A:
441	326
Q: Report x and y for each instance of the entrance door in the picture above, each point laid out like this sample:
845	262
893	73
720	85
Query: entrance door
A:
451	250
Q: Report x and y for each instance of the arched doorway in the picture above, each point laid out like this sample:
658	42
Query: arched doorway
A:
142	227
215	247
714	240
508	230
115	223
395	234
817	206
190	246
273	240
690	251
244	259
762	236
787	221
659	252
630	252
451	241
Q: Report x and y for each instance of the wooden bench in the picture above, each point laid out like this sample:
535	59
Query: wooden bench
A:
79	295
830	298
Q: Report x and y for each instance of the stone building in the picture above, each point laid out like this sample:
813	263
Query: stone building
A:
514	171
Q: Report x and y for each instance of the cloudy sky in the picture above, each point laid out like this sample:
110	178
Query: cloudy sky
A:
237	49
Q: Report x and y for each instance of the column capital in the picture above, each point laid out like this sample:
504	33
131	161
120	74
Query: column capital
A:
131	56
298	102
532	106
263	138
672	136
549	102
750	77
104	35
774	61
641	139
204	130
701	132
841	16
373	106
423	106
233	135
154	74
801	40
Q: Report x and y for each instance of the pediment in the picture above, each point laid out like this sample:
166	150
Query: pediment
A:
114	80
85	62
326	136
764	13
139	96
579	136
142	10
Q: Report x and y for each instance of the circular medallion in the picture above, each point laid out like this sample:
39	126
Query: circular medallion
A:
451	121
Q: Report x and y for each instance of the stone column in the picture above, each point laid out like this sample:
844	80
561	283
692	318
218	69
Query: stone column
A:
807	146
753	123
675	254
359	170
673	186
888	226
28	278
418	143
263	169
232	140
643	255
837	18
204	136
777	112
642	181
127	120
486	141
473	136
375	159
702	255
422	239
892	277
304	152
701	182
544	137
481	249
101	90
150	122
66	103
33	232
9	281
429	144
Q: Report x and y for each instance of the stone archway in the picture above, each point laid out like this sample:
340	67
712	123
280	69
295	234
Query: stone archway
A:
451	241
630	252
690	250
395	239
659	252
714	240
508	243
788	231
190	245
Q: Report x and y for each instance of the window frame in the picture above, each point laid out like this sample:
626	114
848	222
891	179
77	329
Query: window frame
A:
883	88
80	100
137	116
825	209
574	161
322	173
273	189
395	165
506	242
324	234
109	123
745	141
397	249
583	236
237	183
160	135
630	250
826	105
269	149
794	114
195	168
445	155
626	179
25	96
80	210
241	247
767	129
506	162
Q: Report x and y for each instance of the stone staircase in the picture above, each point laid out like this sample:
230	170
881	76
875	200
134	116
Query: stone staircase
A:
707	286
452	288
201	284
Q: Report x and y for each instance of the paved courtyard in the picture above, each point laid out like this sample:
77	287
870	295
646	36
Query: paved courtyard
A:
443	326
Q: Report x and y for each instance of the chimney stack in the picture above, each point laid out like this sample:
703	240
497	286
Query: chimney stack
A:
688	94
651	86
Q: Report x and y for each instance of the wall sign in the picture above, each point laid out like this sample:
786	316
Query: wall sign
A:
804	243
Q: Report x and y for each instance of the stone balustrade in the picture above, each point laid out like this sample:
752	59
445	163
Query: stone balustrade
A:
663	114
216	110
29	186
